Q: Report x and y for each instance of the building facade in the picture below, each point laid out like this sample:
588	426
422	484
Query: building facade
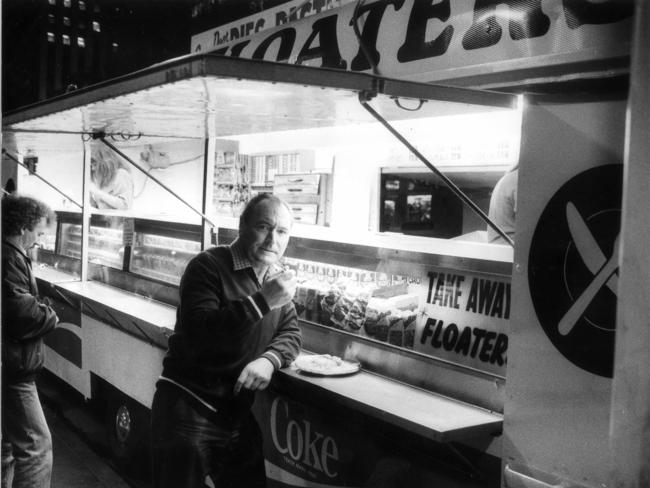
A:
54	46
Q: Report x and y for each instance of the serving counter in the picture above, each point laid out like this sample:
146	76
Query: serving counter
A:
421	412
412	408
446	396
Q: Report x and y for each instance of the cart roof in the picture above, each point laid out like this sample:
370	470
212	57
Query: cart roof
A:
209	95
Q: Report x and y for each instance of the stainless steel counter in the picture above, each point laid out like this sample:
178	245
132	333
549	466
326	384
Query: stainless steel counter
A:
52	275
423	412
147	319
155	313
419	411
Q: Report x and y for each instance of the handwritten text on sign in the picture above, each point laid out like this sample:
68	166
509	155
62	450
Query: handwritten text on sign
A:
465	319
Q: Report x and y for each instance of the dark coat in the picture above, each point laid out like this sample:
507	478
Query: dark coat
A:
25	318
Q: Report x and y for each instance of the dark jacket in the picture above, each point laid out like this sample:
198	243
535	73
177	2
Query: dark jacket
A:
25	317
223	323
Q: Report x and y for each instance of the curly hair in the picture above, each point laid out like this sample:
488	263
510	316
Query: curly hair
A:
20	212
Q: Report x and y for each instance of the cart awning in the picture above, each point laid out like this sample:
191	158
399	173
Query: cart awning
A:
208	95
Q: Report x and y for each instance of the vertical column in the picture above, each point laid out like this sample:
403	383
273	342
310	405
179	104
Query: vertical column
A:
630	417
208	191
85	211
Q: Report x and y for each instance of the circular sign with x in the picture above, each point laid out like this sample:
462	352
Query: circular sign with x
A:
573	267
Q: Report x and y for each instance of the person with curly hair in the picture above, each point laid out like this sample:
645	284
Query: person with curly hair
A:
112	183
26	318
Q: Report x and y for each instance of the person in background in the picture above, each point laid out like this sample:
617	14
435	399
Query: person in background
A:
235	325
10	186
26	318
112	184
503	206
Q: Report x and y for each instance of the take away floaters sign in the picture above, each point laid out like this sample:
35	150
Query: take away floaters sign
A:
465	319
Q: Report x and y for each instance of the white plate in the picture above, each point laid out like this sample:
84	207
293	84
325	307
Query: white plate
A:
325	365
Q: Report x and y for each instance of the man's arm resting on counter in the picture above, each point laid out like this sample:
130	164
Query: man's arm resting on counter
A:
287	341
281	351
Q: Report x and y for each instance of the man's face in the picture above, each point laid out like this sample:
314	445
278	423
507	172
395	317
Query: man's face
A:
266	235
31	237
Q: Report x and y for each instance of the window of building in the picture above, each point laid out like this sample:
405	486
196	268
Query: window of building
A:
51	2
82	5
66	21
81	42
96	26
67	3
50	18
50	37
82	25
66	40
115	46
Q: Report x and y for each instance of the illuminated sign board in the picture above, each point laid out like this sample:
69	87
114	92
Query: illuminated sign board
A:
428	41
272	17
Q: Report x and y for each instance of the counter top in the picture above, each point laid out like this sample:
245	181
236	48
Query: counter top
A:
53	275
147	310
425	413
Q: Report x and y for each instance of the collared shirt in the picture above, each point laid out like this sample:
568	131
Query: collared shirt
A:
241	261
223	323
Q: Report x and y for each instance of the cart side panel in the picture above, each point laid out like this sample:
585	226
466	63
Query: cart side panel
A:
560	360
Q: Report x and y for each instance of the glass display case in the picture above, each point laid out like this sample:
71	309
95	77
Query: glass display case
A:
400	301
365	303
106	238
152	249
161	250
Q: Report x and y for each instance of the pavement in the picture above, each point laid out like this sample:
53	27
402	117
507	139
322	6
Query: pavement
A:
76	465
81	454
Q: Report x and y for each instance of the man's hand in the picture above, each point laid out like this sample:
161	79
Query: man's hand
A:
256	375
280	290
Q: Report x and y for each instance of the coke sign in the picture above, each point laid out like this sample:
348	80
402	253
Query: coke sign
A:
301	444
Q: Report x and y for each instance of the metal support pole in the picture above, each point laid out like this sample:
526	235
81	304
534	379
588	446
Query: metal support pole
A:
630	408
15	159
101	138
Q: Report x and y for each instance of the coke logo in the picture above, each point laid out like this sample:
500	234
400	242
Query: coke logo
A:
301	442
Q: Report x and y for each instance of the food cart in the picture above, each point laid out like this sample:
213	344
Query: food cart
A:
480	366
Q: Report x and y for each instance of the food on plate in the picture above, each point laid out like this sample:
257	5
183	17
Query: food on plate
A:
325	364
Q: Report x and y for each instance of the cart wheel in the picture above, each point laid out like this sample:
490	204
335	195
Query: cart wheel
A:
126	427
